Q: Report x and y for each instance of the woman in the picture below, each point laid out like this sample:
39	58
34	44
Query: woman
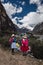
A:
12	41
24	47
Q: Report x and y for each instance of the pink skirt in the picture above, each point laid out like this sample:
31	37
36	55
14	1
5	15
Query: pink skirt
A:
24	48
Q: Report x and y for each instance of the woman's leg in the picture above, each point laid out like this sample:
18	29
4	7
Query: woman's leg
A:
13	51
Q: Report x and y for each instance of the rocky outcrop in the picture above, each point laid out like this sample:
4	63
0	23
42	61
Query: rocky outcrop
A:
38	29
6	25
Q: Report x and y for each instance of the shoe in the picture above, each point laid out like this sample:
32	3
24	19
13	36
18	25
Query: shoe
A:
24	54
12	53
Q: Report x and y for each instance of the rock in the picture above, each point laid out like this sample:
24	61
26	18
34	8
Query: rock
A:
38	29
6	25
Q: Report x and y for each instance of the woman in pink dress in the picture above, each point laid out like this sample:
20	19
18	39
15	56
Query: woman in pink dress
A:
24	47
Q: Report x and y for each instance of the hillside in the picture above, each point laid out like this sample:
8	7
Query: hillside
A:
38	29
6	25
6	58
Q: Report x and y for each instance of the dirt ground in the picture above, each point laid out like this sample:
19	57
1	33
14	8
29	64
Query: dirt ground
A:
6	58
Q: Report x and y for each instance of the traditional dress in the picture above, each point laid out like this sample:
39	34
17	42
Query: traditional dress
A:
12	41
24	46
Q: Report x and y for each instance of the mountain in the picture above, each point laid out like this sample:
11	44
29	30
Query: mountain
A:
6	25
38	29
23	30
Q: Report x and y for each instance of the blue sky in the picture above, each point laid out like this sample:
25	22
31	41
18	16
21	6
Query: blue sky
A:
26	7
24	13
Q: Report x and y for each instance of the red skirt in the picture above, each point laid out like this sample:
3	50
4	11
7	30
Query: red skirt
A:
24	48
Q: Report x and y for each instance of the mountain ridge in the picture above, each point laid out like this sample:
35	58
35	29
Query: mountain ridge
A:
38	29
6	25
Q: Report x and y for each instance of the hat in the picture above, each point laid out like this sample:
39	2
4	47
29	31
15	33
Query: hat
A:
24	36
12	35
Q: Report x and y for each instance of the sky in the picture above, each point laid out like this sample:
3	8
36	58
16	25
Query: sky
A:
24	13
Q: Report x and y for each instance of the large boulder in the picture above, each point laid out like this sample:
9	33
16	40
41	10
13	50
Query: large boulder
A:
38	29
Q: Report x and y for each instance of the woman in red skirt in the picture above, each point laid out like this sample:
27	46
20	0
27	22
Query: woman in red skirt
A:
24	47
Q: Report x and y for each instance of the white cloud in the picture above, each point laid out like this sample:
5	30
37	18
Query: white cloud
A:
19	10
40	12
14	21
31	18
35	1
23	2
10	9
26	25
2	0
40	8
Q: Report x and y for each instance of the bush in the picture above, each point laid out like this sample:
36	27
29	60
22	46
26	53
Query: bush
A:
4	41
37	49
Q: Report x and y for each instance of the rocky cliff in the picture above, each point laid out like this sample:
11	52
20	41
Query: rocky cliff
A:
38	28
6	25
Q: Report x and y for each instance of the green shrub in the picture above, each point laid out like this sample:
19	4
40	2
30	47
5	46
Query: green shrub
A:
4	41
37	48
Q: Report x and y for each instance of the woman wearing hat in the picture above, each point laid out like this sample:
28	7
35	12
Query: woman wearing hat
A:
12	41
24	47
